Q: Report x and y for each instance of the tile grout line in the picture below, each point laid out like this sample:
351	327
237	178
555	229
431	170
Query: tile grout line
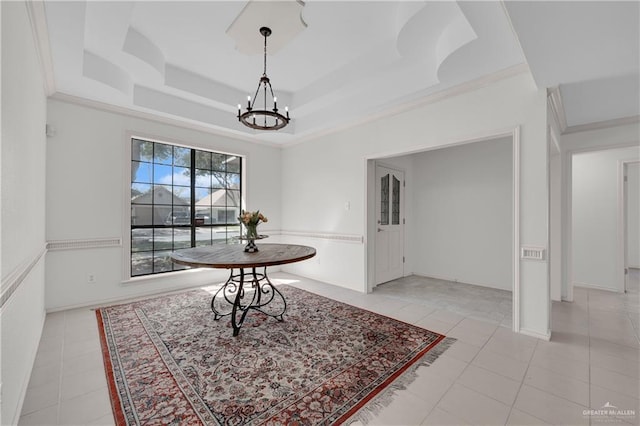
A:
468	363
61	374
633	326
458	377
524	377
438	401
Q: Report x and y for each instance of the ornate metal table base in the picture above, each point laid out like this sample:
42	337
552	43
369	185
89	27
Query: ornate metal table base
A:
240	298
244	291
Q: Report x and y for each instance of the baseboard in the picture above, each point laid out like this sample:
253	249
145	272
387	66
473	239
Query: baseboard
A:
544	336
596	287
128	298
455	280
151	293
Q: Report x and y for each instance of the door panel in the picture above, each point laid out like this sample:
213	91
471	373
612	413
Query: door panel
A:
389	224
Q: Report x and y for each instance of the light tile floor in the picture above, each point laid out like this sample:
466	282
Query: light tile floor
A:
453	301
489	376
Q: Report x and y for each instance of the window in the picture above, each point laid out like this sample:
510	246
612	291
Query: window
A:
395	202
384	200
180	197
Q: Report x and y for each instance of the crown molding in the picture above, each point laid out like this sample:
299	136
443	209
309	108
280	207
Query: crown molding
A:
554	99
428	99
602	124
185	124
38	19
451	92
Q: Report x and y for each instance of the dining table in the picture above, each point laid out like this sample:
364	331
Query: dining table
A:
248	287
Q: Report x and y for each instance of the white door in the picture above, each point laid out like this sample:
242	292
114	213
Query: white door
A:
389	224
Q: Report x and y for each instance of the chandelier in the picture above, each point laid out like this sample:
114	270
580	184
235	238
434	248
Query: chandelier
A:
263	119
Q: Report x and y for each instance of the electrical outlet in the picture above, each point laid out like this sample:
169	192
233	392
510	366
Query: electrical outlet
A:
91	278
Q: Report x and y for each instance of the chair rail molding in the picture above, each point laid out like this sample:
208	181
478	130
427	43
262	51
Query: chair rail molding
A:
86	243
348	238
12	281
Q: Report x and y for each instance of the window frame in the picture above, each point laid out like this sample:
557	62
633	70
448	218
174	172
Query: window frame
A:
127	182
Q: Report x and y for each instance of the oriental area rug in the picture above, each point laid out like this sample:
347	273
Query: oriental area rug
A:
169	362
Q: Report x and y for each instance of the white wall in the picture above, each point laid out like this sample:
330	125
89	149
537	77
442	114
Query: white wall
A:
320	175
463	205
85	185
633	215
23	206
595	216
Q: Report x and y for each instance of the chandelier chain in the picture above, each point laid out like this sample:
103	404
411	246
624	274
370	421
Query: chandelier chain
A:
265	56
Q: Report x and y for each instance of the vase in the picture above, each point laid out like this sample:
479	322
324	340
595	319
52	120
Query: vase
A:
252	235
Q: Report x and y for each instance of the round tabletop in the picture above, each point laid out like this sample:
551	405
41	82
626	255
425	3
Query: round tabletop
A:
231	256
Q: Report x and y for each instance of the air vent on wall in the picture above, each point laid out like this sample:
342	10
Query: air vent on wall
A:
532	253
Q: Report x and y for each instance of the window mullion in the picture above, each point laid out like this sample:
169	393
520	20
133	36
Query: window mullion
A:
193	198
153	208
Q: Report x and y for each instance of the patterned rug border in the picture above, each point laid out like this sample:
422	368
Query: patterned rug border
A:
363	411
379	394
114	397
384	397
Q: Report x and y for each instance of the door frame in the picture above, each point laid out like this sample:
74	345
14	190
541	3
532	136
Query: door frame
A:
554	217
622	258
370	213
403	206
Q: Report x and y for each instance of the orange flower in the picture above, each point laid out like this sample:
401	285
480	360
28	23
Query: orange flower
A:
252	218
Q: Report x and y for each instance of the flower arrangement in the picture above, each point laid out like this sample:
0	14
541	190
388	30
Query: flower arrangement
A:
250	220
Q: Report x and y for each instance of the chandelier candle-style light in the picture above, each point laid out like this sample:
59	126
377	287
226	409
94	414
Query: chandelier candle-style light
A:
263	119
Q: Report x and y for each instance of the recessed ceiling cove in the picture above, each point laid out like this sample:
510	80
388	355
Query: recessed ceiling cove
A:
332	63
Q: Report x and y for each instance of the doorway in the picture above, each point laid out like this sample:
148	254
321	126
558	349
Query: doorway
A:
597	254
629	211
423	254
